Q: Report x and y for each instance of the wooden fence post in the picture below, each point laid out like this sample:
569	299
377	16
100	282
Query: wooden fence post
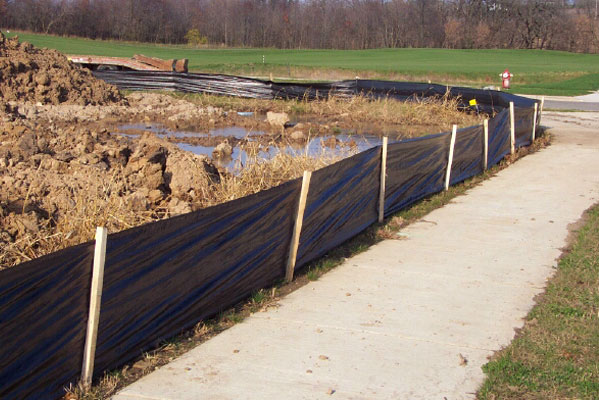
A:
541	110
89	352
512	129
450	158
383	180
486	151
297	230
534	123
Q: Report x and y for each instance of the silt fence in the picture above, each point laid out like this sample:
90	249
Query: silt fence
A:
73	314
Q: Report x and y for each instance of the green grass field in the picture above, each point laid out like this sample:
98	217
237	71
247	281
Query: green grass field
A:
536	72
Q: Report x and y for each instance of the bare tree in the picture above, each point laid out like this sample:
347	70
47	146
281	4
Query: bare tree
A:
342	24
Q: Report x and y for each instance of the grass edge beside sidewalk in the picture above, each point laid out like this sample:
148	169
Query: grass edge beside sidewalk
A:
556	354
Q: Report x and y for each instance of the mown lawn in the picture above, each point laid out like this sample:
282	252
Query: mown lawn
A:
536	72
556	354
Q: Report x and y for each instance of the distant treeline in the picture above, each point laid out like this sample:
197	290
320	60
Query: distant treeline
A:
340	24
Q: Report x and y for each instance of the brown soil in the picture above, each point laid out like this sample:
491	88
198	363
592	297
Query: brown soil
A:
63	171
29	74
58	183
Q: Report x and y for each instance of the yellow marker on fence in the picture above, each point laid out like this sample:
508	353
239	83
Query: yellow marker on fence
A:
473	102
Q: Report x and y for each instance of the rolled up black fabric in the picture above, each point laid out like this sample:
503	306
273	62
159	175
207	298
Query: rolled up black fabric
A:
488	101
415	169
342	202
467	154
224	85
43	319
164	277
312	91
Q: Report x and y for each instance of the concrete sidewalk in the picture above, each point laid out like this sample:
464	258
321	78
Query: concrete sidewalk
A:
589	102
414	318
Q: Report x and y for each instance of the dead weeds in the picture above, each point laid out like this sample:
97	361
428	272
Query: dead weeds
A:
402	119
259	174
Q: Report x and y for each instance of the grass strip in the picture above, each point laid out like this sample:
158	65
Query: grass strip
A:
556	354
569	87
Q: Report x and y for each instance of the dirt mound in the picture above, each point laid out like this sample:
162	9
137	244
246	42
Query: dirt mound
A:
29	74
59	183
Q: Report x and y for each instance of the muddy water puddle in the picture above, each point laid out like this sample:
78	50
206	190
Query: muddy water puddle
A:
248	144
163	132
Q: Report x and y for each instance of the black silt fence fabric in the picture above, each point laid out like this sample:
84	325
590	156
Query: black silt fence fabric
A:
488	100
342	202
229	85
524	118
43	319
311	91
499	137
415	169
468	154
224	85
164	277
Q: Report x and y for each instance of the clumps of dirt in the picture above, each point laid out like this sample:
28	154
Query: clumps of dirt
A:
59	183
30	74
136	108
65	170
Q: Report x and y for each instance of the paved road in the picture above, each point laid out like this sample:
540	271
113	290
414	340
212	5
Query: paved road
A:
414	318
571	105
588	102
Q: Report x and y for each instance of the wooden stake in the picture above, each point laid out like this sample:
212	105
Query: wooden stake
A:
297	230
541	110
512	129
486	151
89	353
383	179
534	123
450	159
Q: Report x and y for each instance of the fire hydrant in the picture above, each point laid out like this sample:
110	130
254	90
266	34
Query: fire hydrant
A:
506	76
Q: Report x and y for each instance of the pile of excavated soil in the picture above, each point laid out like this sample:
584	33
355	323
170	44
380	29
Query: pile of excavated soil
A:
59	183
30	74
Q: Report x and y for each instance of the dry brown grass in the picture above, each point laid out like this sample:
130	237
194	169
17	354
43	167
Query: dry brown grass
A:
438	114
390	229
84	211
102	206
428	111
260	174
